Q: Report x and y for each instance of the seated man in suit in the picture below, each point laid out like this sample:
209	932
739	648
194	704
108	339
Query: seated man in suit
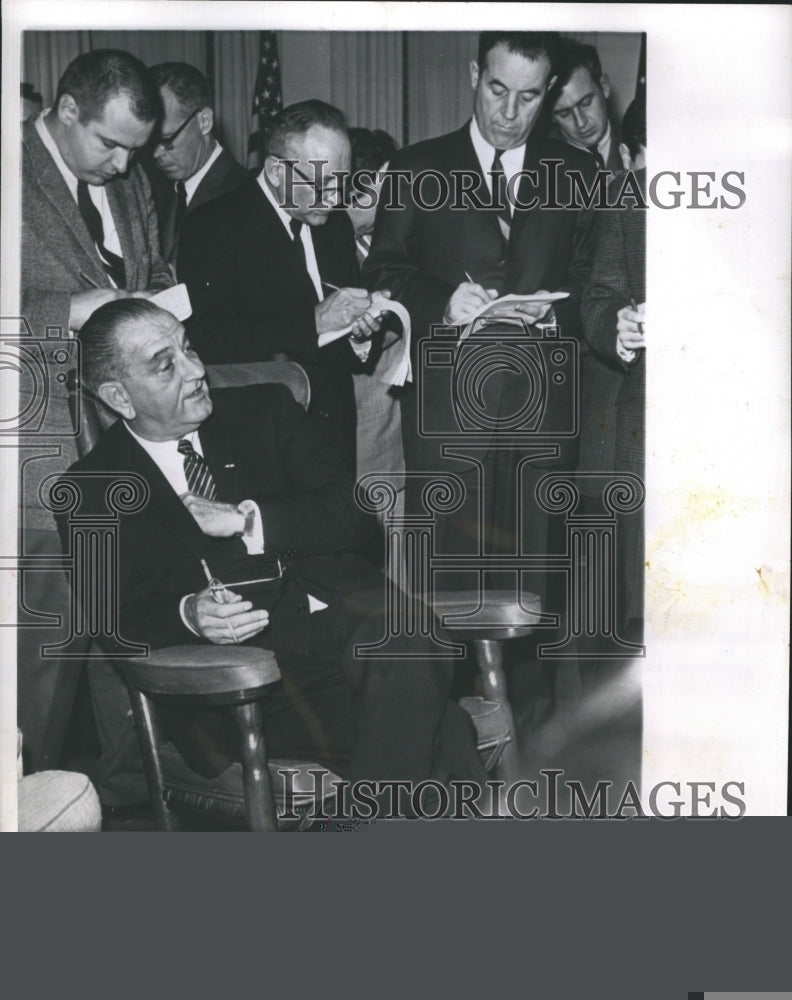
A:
271	266
194	166
242	480
89	235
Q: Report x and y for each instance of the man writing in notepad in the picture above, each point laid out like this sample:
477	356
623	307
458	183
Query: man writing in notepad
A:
445	263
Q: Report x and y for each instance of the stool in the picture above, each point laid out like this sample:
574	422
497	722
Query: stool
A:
487	619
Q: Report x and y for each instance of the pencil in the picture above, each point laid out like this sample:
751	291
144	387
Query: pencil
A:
472	282
90	281
329	284
634	308
216	586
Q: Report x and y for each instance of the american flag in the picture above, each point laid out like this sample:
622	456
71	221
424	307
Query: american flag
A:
267	96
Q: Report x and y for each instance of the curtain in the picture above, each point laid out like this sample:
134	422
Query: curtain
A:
46	54
441	98
236	62
366	78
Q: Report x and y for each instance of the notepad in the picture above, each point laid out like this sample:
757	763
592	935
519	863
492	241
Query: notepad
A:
397	369
175	300
503	308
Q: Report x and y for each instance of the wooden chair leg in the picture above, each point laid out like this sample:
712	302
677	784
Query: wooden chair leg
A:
259	795
489	656
147	734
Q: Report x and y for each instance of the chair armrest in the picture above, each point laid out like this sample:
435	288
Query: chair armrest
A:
201	670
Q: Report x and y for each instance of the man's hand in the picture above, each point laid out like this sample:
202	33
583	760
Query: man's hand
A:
342	308
533	311
467	298
369	323
630	328
224	624
84	303
222	520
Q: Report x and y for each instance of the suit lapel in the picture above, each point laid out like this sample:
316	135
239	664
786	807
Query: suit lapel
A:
54	189
465	159
225	458
163	505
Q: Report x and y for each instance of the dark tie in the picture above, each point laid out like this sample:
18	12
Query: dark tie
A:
296	227
600	163
499	194
181	205
199	478
112	263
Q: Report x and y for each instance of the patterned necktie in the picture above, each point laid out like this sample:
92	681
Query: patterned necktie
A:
499	194
600	163
112	263
199	478
181	205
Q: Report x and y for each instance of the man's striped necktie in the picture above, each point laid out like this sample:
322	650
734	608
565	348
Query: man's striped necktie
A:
499	194
199	478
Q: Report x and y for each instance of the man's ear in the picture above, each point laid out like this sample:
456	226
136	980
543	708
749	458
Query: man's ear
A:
474	74
624	153
67	111
114	395
605	85
205	120
272	170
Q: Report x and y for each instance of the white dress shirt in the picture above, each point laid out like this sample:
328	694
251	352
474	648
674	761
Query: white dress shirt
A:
511	160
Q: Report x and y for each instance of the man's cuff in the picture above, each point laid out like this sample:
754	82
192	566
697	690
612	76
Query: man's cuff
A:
361	347
626	355
184	616
253	535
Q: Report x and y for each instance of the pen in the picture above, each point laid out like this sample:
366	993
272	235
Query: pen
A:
217	588
472	282
89	280
328	284
634	308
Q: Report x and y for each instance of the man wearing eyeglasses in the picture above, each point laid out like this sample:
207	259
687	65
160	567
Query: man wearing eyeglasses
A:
272	266
194	167
89	235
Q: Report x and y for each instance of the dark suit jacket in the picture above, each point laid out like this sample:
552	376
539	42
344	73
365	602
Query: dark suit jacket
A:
422	255
224	175
618	275
259	445
253	298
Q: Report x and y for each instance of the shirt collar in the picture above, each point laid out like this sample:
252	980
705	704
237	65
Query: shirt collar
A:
603	146
52	148
191	184
512	159
283	216
161	451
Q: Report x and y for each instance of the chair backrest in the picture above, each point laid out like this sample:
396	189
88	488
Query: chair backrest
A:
257	372
90	415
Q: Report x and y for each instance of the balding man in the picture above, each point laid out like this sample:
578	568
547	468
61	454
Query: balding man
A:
268	501
195	168
272	265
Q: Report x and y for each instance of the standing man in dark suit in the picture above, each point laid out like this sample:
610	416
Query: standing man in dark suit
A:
579	104
272	266
196	167
242	480
444	262
89	236
615	331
